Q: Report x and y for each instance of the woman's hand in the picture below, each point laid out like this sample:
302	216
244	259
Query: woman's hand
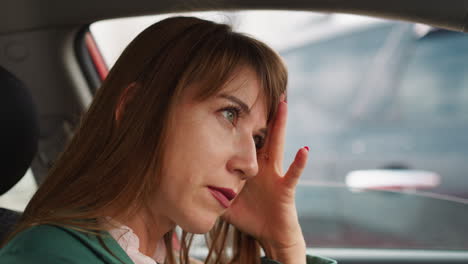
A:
265	208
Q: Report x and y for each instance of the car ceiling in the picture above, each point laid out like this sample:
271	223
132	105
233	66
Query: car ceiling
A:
21	15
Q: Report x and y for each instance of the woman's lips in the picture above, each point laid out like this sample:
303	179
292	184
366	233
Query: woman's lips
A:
223	195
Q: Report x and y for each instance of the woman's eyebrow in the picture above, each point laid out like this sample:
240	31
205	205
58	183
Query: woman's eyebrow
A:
236	100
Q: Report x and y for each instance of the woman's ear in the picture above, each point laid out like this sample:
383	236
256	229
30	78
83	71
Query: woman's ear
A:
124	98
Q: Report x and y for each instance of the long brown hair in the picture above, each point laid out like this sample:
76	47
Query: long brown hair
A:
108	163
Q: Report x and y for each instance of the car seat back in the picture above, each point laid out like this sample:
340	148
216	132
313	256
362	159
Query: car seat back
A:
18	139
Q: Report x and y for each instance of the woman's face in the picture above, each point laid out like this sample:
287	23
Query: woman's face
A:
211	151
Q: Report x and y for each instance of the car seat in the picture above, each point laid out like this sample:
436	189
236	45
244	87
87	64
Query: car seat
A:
19	139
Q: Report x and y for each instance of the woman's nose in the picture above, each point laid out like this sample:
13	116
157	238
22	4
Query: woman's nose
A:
244	159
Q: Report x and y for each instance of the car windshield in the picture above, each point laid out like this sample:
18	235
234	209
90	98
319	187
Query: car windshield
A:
383	106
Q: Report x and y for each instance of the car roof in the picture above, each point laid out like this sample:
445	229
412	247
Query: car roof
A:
24	15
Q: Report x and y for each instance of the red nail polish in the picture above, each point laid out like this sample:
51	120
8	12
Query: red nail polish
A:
306	147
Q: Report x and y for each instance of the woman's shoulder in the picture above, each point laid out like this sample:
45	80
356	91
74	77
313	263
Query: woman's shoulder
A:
55	244
43	237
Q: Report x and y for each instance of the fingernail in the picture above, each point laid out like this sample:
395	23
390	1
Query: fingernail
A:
306	147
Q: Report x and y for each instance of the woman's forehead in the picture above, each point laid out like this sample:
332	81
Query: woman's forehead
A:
244	84
242	81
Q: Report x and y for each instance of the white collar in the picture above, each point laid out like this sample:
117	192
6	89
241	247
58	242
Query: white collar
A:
130	243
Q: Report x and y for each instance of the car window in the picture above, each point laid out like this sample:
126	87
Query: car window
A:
430	108
18	197
421	123
383	107
418	125
437	73
325	78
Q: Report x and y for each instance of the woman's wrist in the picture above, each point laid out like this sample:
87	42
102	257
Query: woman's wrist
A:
293	254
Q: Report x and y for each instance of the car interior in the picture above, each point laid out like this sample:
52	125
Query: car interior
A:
48	77
22	133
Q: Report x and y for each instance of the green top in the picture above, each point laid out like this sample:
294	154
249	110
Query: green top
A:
53	245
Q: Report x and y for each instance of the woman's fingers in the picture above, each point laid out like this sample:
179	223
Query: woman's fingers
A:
277	136
297	167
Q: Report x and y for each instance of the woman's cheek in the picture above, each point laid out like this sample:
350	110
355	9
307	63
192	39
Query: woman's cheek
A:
223	131
220	142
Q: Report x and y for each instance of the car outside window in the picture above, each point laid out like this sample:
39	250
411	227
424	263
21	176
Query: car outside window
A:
383	106
18	197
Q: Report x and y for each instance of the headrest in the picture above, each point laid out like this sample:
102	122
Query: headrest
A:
19	133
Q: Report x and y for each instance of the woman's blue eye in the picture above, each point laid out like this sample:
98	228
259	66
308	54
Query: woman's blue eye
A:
230	115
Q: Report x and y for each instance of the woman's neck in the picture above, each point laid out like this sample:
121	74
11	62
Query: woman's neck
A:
149	230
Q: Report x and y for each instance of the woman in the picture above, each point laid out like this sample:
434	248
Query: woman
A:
176	136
